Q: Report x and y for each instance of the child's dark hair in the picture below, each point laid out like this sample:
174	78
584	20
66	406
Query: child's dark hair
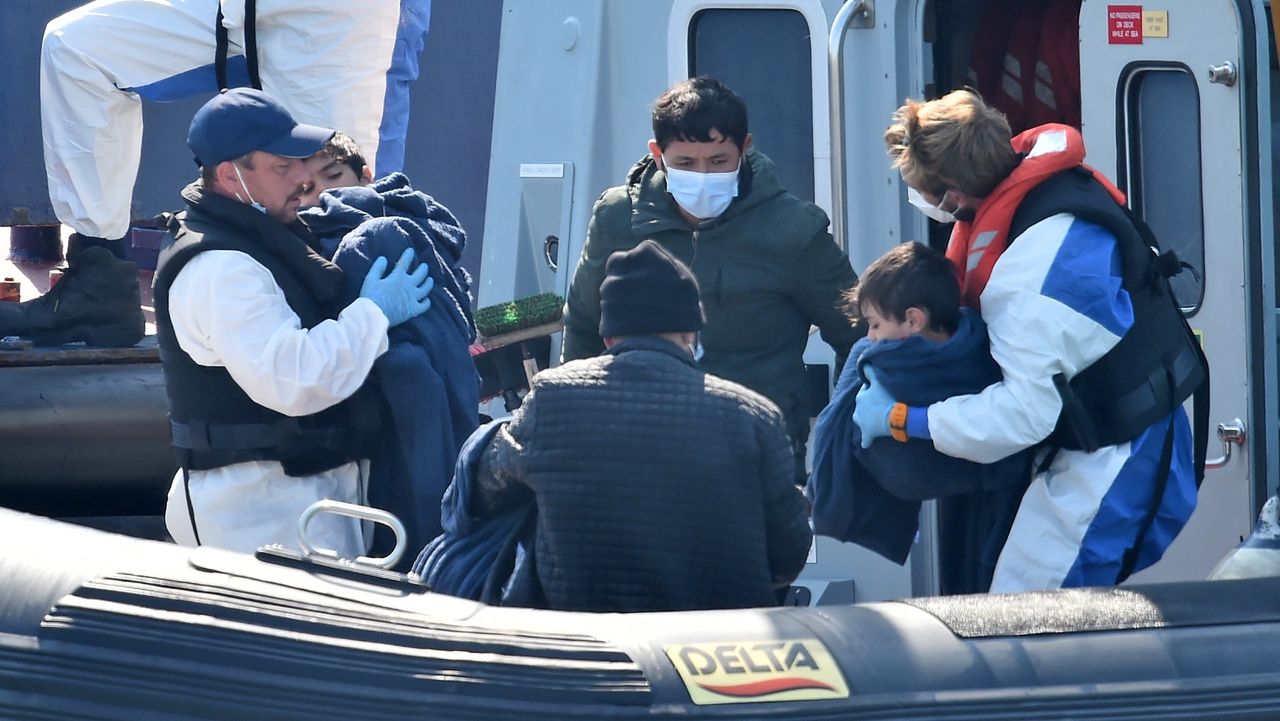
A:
344	150
912	275
690	110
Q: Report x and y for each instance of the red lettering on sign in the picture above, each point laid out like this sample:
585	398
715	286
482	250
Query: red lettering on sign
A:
767	687
1124	24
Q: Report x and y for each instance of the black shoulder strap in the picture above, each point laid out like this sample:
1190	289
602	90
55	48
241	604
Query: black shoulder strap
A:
222	45
1130	558
220	50
251	42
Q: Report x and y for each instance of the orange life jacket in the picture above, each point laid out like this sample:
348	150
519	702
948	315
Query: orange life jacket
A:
976	245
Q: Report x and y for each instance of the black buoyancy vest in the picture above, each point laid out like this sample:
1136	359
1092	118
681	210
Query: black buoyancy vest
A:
214	422
1158	363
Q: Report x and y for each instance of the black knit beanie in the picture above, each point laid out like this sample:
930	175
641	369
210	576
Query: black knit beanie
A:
647	291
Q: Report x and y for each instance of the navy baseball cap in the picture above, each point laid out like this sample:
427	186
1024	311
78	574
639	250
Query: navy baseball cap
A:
240	120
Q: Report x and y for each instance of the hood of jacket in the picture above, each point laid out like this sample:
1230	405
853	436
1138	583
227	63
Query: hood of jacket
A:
384	218
340	210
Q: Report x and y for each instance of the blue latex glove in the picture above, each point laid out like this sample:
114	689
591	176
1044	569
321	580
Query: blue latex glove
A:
871	409
401	295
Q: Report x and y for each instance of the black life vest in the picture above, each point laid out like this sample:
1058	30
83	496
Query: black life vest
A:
1158	363
213	422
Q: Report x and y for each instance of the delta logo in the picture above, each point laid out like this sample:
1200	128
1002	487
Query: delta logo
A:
758	671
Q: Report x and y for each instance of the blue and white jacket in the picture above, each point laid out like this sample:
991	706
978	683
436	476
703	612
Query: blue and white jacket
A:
1054	303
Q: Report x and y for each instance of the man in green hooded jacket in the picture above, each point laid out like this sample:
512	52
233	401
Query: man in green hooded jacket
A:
767	267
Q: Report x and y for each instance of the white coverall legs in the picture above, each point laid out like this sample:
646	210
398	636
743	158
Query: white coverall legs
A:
327	61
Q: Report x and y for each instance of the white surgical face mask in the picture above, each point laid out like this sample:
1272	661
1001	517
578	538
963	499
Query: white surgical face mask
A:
929	209
253	203
703	195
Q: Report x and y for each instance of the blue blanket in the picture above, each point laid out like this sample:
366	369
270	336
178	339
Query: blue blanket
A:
427	378
440	243
872	497
488	559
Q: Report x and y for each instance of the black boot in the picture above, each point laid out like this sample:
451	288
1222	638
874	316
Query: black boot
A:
97	301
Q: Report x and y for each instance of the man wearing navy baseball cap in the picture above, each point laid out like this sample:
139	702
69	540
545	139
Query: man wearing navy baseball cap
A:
240	123
265	368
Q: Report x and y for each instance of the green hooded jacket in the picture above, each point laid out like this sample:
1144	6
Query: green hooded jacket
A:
767	269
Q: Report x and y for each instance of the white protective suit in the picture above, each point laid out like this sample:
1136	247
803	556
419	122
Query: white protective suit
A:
227	311
334	63
1055	303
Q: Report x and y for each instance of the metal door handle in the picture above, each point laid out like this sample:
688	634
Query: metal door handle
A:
1231	434
1223	74
551	251
864	14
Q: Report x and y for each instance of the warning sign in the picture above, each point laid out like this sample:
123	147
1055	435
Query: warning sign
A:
1124	24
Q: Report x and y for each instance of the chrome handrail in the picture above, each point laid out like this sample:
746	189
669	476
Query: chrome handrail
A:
352	510
864	11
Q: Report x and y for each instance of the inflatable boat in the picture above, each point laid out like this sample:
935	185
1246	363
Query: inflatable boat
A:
100	626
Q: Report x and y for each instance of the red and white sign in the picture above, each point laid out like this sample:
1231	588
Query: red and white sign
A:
1124	24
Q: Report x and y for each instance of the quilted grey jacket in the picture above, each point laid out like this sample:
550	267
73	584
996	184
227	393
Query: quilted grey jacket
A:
658	486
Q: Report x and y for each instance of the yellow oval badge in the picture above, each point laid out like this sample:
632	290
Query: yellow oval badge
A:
758	671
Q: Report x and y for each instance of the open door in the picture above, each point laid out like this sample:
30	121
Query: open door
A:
773	53
877	55
1169	94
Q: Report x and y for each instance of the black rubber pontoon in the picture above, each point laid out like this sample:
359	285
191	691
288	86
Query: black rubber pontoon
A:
100	626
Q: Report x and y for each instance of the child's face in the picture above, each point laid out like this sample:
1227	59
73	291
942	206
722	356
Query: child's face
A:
884	327
328	173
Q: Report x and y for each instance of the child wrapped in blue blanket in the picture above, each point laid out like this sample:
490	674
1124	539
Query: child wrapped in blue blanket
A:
923	347
427	378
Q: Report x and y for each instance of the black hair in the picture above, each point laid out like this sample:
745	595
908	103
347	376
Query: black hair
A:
912	275
344	150
691	109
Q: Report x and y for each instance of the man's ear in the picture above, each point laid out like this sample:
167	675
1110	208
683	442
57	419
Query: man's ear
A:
366	174
917	319
746	143
225	174
654	150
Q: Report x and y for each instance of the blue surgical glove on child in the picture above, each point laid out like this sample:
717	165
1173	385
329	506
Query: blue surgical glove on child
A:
401	295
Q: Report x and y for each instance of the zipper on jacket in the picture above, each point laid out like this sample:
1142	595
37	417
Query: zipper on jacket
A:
712	288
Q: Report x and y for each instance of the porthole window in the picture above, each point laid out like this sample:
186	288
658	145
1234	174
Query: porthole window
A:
1163	168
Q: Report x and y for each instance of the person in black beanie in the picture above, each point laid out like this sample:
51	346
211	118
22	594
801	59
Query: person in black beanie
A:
659	487
646	291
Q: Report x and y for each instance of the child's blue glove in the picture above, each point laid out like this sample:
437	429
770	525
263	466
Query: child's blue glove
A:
401	295
871	409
